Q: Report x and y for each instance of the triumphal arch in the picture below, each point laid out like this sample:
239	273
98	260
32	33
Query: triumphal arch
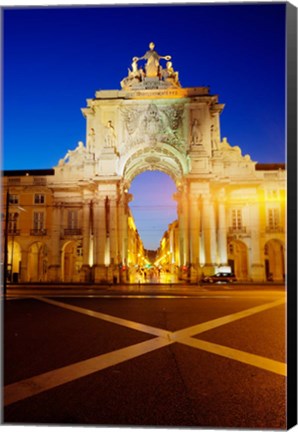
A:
153	123
230	209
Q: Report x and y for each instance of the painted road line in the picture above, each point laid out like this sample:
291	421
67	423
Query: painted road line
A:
115	320
35	385
241	356
209	325
136	296
49	380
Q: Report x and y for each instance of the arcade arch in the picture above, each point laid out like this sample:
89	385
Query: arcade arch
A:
72	261
14	258
274	255
238	259
37	262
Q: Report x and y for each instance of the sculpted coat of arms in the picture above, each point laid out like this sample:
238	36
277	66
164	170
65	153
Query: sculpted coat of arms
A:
153	124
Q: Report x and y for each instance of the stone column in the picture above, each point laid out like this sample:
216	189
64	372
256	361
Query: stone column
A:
186	231
123	234
194	238
256	265
100	240
24	266
209	235
222	233
183	216
113	236
54	269
86	240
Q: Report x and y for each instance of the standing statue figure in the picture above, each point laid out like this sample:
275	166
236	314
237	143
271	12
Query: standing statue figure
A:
110	135
91	141
214	141
134	66
152	65
196	135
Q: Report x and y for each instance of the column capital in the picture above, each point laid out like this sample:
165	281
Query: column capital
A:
87	201
57	205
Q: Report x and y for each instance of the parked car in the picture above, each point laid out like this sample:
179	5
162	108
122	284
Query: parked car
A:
220	278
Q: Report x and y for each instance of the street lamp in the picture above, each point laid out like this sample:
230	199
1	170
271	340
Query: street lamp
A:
6	229
14	218
5	261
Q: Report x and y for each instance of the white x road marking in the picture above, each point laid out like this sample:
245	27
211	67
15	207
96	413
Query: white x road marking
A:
46	381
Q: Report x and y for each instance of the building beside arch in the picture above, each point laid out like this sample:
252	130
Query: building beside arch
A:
76	225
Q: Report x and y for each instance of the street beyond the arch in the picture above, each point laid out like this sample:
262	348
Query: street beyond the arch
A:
154	355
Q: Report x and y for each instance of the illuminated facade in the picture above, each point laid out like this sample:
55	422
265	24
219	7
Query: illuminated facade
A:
242	225
74	224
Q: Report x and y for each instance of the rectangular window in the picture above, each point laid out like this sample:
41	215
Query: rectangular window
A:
13	199
237	219
14	180
72	219
40	181
79	250
39	199
38	221
273	218
12	222
273	194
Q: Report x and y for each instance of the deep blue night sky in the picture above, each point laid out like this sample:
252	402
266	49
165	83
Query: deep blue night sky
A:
56	58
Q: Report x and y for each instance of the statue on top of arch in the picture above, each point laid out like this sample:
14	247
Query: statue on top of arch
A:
152	75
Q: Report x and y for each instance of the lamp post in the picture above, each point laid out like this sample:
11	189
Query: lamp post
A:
5	245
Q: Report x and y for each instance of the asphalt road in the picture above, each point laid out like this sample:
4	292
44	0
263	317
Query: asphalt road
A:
199	357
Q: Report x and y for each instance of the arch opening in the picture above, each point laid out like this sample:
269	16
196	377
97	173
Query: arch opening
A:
37	262
152	210
238	259
274	257
72	261
14	256
162	158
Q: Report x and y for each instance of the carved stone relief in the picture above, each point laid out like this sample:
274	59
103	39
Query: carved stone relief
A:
152	124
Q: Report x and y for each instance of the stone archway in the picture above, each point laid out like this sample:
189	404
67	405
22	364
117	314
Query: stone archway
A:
274	260
160	157
37	262
152	123
238	259
72	261
14	256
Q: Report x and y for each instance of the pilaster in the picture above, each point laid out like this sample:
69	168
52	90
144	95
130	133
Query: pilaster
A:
194	238
209	235
183	215
222	231
54	269
257	271
100	240
86	240
123	235
24	266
